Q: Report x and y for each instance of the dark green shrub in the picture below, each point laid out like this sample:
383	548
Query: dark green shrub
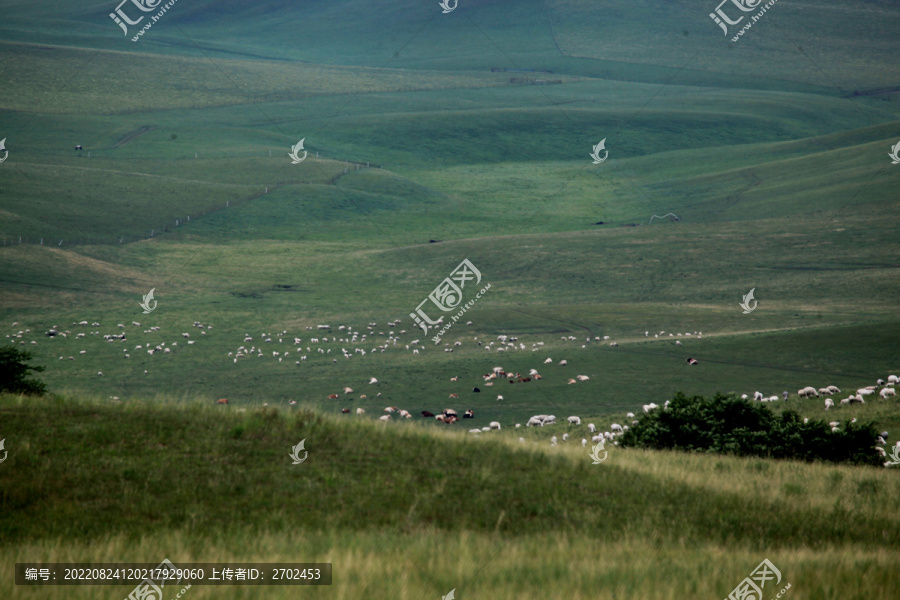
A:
729	425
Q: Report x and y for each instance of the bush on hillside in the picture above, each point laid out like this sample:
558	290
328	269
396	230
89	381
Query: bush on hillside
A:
14	372
729	425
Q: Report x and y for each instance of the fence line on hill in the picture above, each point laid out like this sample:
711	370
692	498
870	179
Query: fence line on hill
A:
14	240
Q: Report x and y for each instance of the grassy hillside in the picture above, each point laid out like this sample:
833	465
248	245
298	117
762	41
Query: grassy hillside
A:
137	482
772	153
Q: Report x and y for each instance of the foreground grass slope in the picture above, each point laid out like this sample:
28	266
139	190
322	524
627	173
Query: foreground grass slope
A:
92	481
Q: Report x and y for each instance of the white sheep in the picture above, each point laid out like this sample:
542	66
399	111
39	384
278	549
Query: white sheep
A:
565	437
864	392
649	407
592	428
583	442
474	431
553	441
360	411
893	379
495	425
574	420
833	389
384	418
829	403
616	427
886	392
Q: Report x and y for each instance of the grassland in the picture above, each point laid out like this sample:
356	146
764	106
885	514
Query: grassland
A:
421	156
401	511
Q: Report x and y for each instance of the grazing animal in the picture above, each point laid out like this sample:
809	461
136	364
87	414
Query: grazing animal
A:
807	392
592	428
454	395
829	403
476	390
345	411
563	363
649	407
333	397
886	392
469	414
691	361
833	389
384	418
360	411
574	420
425	413
222	401
495	425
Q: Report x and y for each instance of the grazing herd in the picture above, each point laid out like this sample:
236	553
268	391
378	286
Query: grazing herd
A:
328	340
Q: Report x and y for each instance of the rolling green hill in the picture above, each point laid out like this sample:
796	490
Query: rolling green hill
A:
432	138
134	483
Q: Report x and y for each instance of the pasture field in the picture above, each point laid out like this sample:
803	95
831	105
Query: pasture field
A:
754	165
411	512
